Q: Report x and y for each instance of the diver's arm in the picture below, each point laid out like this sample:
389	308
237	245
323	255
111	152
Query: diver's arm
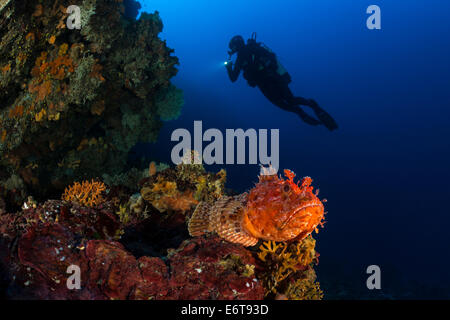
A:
233	73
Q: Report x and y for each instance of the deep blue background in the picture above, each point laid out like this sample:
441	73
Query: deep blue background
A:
385	172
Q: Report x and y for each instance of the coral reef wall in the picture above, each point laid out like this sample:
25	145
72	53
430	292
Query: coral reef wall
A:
73	102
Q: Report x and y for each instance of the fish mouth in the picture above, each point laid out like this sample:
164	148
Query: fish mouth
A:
299	210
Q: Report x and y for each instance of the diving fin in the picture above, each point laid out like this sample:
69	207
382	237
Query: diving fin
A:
324	117
307	118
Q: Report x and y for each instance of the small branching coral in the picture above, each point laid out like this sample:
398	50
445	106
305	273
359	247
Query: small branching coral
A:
286	265
132	211
208	187
88	194
234	262
190	167
304	289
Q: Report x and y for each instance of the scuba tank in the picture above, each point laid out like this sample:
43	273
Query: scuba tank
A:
268	59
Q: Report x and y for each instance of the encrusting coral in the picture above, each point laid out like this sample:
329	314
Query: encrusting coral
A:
74	102
164	196
182	188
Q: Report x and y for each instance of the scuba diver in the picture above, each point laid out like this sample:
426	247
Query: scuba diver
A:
262	69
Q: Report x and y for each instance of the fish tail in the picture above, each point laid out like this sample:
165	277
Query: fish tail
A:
199	224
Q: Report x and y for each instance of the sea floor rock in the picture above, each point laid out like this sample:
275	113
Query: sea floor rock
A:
39	244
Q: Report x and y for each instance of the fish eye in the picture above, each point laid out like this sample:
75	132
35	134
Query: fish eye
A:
286	188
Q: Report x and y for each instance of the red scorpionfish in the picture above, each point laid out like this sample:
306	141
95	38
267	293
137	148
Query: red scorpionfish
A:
275	209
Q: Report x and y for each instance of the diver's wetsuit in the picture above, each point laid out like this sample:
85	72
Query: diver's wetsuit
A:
277	91
274	86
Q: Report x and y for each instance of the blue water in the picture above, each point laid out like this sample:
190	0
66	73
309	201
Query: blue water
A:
385	172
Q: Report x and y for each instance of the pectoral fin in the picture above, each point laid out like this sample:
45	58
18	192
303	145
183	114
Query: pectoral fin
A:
223	217
229	225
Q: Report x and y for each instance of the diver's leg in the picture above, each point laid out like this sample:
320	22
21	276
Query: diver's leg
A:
280	97
302	101
299	111
321	114
295	102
